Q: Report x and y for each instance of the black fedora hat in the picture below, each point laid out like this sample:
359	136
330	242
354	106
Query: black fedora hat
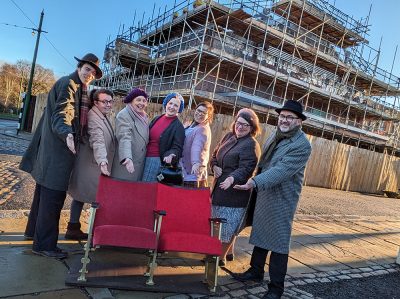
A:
92	59
293	106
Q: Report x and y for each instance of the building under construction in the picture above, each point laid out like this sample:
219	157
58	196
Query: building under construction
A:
258	53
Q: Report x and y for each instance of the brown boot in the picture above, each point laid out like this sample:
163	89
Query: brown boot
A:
74	232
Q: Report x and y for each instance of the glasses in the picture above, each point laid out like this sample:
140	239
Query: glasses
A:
243	125
106	102
199	112
288	118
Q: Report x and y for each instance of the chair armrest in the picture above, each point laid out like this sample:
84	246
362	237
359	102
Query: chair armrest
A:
218	220
160	212
95	205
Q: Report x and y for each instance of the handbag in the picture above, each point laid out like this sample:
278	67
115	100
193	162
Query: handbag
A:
171	175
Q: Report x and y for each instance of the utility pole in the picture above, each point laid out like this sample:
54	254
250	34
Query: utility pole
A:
29	91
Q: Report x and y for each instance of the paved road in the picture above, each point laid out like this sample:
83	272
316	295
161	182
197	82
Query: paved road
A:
8	126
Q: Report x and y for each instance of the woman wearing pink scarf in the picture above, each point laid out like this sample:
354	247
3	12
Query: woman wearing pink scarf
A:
132	131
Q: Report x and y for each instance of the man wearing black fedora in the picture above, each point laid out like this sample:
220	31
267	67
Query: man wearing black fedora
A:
51	153
278	185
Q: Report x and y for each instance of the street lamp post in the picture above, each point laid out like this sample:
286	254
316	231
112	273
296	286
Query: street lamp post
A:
30	83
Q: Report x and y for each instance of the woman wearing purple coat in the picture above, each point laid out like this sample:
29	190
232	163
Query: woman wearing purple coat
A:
196	148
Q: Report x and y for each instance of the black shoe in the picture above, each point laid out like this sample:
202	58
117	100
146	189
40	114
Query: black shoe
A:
221	263
271	295
230	257
74	232
55	254
249	275
58	249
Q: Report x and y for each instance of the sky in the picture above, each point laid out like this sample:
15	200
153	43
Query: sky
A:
78	27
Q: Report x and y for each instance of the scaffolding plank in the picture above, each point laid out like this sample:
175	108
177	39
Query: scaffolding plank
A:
309	16
174	27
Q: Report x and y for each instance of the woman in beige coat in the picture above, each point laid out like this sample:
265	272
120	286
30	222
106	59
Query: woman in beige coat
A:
95	156
132	131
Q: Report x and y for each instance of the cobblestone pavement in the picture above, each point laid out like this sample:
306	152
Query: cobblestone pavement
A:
11	145
293	285
15	184
11	148
10	180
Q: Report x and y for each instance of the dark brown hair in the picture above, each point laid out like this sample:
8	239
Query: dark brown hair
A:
251	117
94	94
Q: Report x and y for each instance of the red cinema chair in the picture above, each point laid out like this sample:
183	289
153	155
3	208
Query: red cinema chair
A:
187	226
124	215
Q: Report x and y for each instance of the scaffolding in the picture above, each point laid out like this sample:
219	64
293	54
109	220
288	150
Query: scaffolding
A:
257	53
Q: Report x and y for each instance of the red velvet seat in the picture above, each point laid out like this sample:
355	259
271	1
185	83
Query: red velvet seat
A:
188	242
124	236
187	226
124	216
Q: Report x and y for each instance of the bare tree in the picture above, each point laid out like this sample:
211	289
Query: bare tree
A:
24	69
8	84
14	80
43	78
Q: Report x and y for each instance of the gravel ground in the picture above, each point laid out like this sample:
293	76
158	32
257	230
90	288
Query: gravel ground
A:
321	201
377	287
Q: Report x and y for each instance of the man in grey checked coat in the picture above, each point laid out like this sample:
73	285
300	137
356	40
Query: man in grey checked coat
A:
278	185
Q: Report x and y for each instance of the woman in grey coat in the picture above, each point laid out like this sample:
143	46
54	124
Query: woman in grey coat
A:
95	157
233	162
132	130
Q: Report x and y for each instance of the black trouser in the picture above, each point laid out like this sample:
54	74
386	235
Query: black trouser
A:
76	210
44	218
277	267
30	226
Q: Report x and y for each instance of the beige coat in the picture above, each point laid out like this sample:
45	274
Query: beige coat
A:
99	147
133	136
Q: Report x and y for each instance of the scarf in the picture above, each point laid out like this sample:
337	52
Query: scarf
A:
84	109
279	136
143	117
